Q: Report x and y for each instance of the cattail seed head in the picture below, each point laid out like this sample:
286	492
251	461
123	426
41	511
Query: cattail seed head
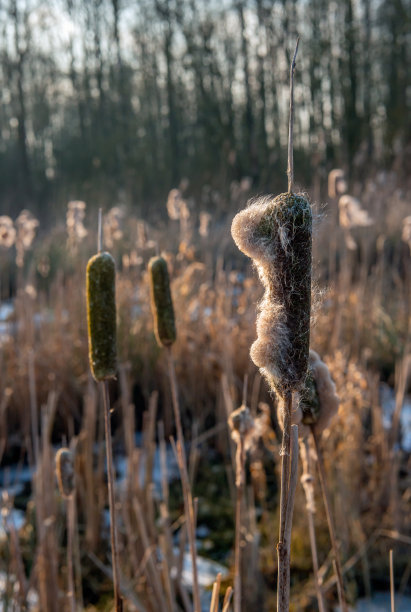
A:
65	472
309	400
101	316
241	424
318	399
277	233
161	302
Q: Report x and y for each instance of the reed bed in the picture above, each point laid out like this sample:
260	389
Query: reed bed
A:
48	399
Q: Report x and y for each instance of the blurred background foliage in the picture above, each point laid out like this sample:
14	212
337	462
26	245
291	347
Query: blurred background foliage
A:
116	101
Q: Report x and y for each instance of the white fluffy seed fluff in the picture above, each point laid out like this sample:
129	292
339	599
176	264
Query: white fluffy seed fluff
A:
276	234
327	398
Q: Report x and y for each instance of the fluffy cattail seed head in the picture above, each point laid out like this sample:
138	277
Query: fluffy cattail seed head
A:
318	399
65	472
309	400
277	233
101	316
241	424
161	302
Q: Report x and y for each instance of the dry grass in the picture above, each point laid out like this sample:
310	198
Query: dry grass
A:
44	366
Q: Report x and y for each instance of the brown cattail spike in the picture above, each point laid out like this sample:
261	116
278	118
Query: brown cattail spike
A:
276	233
65	472
161	302
101	316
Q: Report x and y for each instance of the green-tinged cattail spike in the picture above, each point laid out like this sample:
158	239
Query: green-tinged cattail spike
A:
161	302
276	232
165	332
101	316
65	472
66	483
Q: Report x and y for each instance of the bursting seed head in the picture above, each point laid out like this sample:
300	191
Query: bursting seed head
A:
101	316
241	424
161	302
318	398
65	472
277	233
309	400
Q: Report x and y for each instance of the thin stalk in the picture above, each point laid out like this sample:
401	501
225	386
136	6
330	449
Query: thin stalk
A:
215	594
33	409
392	588
188	499
330	521
307	482
227	599
153	575
110	474
283	582
100	231
240	476
71	593
290	168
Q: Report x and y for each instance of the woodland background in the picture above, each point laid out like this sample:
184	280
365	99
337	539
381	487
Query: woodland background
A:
118	100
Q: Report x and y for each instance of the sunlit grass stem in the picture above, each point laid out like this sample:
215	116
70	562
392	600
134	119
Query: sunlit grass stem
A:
307	482
185	482
330	520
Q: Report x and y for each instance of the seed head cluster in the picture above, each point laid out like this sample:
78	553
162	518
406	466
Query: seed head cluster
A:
318	399
317	402
277	233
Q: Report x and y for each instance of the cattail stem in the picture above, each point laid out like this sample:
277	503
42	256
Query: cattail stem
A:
111	498
71	593
215	594
188	499
392	586
290	169
285	463
77	560
330	521
283	546
100	231
307	480
240	476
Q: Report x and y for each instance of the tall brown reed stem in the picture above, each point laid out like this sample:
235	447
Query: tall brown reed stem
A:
307	482
290	168
240	477
181	458
215	594
392	587
289	458
111	498
330	521
71	593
